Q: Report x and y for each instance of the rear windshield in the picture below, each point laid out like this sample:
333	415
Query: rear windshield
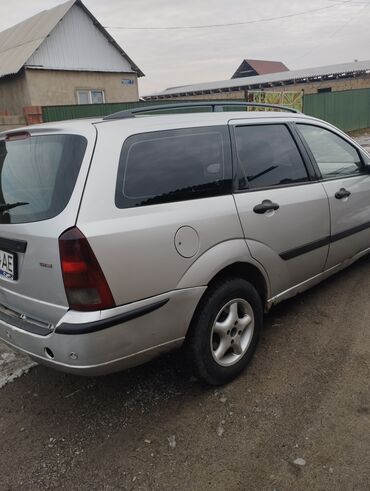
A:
37	176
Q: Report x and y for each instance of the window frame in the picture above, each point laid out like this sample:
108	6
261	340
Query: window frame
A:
225	188
312	157
312	176
89	96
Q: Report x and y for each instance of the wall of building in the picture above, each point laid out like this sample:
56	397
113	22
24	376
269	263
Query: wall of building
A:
76	43
240	94
14	94
11	122
362	82
54	87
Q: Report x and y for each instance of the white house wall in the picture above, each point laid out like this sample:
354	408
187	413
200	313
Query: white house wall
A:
77	44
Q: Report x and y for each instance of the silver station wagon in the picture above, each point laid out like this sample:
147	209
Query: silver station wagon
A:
128	236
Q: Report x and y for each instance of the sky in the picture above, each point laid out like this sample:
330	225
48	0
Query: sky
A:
337	33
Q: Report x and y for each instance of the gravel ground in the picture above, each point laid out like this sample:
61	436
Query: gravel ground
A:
297	419
363	139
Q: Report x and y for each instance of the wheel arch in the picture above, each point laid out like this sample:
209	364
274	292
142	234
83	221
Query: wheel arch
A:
229	258
246	271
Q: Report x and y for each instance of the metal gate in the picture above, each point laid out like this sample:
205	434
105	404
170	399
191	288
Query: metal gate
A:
289	99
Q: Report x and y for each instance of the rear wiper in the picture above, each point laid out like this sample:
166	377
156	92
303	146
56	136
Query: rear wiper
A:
9	206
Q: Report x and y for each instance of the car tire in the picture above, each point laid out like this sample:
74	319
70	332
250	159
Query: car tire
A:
224	331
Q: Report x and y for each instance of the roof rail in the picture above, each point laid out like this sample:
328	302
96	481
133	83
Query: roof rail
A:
215	107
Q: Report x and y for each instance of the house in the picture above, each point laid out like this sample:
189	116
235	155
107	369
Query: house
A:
63	56
251	68
330	78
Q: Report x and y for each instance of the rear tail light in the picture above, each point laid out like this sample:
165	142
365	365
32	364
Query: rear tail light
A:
84	281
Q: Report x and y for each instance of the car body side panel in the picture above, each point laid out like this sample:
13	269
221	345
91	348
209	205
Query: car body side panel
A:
136	246
350	216
219	257
346	215
137	251
302	218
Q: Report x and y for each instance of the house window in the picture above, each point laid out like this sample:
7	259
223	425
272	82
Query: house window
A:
90	97
323	90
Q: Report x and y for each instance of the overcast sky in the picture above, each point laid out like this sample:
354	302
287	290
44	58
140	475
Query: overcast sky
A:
179	57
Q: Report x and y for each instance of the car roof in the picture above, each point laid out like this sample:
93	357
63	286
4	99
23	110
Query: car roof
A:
221	117
146	121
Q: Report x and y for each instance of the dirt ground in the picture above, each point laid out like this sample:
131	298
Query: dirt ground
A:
304	396
297	419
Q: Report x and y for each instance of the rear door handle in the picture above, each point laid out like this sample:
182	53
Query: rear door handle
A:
342	193
266	205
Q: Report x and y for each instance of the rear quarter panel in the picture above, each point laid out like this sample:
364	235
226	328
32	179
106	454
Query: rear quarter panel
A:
136	247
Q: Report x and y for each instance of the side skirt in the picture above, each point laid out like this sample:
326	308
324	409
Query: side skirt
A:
314	280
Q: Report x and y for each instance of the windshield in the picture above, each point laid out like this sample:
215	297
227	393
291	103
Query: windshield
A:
37	176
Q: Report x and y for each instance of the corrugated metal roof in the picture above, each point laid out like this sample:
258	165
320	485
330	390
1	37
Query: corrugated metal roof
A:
261	67
255	82
18	43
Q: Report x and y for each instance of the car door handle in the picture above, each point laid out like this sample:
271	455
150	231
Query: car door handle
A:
266	205
342	193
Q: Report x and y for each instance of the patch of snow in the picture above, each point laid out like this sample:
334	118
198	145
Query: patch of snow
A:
12	365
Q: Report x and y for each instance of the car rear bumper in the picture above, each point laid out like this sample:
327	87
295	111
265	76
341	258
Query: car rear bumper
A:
97	343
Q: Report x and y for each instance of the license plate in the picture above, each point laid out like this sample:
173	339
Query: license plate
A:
8	265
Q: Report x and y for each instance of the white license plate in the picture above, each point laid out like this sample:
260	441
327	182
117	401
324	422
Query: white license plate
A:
8	265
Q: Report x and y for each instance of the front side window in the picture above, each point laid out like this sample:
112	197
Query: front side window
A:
334	156
173	165
268	156
37	176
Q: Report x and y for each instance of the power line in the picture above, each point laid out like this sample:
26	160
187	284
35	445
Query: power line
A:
337	29
231	24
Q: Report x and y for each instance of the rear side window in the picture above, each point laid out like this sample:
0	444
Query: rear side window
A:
268	156
37	176
174	165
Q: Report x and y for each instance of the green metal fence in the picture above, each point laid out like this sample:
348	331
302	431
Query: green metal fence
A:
61	113
348	109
